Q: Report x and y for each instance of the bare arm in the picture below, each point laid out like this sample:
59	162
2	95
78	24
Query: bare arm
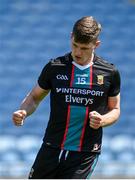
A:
29	104
114	113
32	100
97	120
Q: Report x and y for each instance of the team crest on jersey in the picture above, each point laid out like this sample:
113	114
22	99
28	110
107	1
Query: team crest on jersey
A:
96	147
100	79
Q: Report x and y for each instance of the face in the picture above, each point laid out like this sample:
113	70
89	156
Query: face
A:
82	53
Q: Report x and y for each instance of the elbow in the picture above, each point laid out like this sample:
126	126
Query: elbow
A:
118	111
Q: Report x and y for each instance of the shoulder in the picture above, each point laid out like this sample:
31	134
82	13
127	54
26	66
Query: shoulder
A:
103	63
57	64
60	61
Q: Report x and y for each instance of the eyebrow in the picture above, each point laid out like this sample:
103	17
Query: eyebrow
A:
75	44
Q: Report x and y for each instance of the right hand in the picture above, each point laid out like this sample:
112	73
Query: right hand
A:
18	117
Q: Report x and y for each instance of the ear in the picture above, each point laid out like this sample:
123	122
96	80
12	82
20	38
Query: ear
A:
97	43
71	35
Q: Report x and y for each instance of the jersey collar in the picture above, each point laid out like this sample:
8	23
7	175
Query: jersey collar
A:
86	66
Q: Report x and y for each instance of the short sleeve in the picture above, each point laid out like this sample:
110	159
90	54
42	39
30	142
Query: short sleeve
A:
115	85
44	77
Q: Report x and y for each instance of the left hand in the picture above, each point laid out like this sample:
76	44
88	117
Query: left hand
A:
95	119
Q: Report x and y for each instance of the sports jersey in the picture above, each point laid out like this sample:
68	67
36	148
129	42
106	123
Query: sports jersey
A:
76	91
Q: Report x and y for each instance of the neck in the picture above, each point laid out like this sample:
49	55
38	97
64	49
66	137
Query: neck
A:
90	61
84	63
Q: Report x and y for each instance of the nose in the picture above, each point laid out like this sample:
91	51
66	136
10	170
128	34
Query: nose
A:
78	52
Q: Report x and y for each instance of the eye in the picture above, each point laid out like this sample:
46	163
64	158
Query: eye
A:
74	45
84	49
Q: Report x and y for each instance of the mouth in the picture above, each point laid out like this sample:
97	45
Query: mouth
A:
77	58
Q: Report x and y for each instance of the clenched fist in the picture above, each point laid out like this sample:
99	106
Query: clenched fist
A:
18	117
95	119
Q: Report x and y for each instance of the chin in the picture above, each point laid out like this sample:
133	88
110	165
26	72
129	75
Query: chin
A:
80	62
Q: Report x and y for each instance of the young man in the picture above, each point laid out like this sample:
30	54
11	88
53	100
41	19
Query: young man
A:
85	97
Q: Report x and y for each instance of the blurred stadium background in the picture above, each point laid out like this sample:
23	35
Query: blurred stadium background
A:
32	32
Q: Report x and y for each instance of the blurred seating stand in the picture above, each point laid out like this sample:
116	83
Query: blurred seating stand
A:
32	32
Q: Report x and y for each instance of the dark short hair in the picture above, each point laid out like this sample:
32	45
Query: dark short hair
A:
86	30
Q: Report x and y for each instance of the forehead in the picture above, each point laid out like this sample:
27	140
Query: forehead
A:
82	45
